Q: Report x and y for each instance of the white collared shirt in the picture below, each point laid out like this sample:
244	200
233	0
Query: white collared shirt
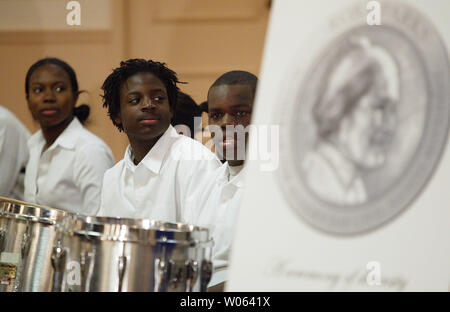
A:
220	217
13	154
169	184
69	174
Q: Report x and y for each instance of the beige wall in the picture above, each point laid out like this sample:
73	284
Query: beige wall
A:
199	39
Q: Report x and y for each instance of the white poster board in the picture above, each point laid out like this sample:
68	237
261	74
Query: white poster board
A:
360	197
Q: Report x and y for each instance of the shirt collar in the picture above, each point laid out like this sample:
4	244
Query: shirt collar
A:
36	140
67	139
155	157
237	180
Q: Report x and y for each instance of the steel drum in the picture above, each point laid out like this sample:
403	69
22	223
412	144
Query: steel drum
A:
120	255
27	237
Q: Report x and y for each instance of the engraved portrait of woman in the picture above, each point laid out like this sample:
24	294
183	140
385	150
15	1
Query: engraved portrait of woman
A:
365	120
355	118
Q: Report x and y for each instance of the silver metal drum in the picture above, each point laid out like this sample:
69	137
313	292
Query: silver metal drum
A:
27	237
120	255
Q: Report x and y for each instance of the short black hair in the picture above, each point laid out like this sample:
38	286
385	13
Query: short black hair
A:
113	83
82	111
236	77
204	106
185	112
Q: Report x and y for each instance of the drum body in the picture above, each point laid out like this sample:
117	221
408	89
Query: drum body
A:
114	255
27	237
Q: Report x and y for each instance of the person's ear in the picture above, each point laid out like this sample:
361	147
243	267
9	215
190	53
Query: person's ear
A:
28	102
29	107
118	119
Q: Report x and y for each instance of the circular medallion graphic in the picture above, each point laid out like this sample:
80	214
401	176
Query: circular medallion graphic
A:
365	127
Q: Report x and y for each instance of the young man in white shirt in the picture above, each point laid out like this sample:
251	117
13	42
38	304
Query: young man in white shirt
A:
230	103
13	154
163	175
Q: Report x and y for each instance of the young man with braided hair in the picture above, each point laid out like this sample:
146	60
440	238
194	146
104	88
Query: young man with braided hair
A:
163	175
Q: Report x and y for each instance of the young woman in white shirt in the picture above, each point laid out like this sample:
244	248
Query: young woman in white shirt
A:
67	162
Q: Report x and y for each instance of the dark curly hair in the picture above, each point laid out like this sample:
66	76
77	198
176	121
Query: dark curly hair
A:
113	83
186	111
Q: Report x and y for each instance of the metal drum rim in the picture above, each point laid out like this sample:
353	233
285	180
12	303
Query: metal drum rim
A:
30	212
151	242
136	230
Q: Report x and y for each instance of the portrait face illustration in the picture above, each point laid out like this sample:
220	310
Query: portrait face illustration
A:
368	130
358	112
